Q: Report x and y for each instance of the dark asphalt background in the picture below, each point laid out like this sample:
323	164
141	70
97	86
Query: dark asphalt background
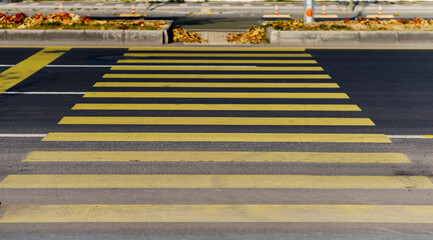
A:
392	87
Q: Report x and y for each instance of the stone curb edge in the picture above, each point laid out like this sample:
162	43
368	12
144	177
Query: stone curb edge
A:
286	37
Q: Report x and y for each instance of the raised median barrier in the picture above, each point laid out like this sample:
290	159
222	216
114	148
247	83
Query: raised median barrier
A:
292	37
98	37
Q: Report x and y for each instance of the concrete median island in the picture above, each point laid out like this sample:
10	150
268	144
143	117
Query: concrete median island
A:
98	37
347	31
74	29
289	37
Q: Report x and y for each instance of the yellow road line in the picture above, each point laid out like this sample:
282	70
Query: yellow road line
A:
181	156
221	76
270	121
216	61
29	66
270	95
215	85
216	137
248	213
215	181
427	136
218	49
214	68
182	54
217	107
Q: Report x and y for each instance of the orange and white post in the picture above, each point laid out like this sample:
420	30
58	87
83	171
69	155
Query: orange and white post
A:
61	7
133	8
323	9
308	11
276	9
380	9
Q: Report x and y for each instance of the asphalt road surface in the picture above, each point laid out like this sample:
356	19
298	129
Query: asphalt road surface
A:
211	143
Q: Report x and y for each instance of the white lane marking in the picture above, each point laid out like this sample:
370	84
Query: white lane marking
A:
405	136
11	135
109	66
46	93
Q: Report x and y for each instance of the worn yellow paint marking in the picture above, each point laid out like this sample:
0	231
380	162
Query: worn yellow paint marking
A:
427	136
216	137
217	55
217	61
213	68
248	213
182	156
29	66
221	76
217	107
219	213
269	121
215	85
218	49
270	95
215	181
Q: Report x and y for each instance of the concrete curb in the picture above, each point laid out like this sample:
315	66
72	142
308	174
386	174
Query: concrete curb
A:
289	37
117	37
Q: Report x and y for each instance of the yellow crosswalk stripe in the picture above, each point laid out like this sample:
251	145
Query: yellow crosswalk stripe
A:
215	85
186	156
220	76
218	49
216	137
217	107
270	95
29	66
248	213
269	121
213	68
222	54
216	61
215	181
